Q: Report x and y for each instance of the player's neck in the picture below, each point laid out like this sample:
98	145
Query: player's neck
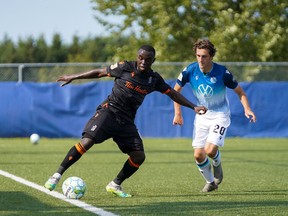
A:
207	69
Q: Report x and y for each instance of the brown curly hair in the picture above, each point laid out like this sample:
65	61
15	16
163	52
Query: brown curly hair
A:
205	44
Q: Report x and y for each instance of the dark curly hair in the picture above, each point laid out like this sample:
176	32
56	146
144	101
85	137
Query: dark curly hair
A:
205	44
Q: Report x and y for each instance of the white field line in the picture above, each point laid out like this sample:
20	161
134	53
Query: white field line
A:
80	204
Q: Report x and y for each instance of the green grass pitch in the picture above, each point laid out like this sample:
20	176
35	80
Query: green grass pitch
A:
168	183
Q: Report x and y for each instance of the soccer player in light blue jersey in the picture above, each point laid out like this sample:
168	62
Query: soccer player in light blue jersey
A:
209	81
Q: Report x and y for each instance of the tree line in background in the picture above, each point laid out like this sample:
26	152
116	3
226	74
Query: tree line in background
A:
242	30
37	50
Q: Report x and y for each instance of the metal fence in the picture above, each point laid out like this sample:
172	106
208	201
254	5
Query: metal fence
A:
49	72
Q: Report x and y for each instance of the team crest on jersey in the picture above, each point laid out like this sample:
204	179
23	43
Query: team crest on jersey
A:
196	77
213	80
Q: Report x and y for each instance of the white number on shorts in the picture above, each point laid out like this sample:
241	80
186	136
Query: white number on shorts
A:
219	129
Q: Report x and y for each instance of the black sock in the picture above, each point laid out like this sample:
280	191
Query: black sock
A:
72	156
128	169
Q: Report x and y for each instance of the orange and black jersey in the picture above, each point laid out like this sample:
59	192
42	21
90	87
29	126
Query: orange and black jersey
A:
130	88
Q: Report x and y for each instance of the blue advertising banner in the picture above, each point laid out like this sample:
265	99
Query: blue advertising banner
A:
55	112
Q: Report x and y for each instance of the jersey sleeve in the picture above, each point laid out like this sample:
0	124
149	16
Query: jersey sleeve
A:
229	80
183	78
116	69
161	85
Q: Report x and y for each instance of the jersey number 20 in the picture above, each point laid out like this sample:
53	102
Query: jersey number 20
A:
219	129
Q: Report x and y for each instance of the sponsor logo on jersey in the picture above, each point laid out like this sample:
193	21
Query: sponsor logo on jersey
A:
205	90
136	88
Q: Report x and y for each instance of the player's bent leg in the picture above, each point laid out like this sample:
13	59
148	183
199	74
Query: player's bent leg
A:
71	157
130	167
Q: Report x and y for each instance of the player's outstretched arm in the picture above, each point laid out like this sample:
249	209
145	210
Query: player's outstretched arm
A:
180	99
96	73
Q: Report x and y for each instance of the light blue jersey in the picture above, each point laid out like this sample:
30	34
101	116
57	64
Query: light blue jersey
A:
209	89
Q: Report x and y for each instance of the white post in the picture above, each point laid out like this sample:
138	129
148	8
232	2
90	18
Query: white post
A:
20	73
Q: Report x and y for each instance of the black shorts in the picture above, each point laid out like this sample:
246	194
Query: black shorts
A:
105	124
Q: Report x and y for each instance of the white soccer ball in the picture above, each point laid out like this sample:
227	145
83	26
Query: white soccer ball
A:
34	138
74	188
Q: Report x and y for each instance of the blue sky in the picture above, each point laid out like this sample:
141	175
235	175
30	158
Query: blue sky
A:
23	18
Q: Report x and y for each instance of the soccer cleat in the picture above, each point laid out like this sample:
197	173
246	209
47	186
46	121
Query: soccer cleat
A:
218	174
116	190
52	181
210	187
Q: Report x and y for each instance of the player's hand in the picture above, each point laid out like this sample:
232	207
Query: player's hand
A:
178	120
200	110
251	116
66	79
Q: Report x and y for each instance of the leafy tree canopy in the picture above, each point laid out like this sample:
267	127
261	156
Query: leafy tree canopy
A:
242	30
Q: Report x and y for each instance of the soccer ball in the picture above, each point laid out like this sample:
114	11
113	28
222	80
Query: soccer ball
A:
34	138
74	188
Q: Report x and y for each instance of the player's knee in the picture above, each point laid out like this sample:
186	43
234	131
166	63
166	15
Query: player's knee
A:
87	143
137	157
199	156
211	153
211	150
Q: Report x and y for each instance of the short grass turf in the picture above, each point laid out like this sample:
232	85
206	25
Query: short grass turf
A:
168	183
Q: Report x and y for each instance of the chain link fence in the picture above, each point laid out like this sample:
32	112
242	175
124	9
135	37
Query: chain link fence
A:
49	72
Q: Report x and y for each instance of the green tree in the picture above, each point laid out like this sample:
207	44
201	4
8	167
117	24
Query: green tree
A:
57	52
7	47
242	30
96	49
41	50
248	30
167	24
25	50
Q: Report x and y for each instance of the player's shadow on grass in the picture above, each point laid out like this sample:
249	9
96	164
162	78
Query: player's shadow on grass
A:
20	203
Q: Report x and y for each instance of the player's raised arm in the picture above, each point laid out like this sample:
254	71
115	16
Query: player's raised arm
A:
95	73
